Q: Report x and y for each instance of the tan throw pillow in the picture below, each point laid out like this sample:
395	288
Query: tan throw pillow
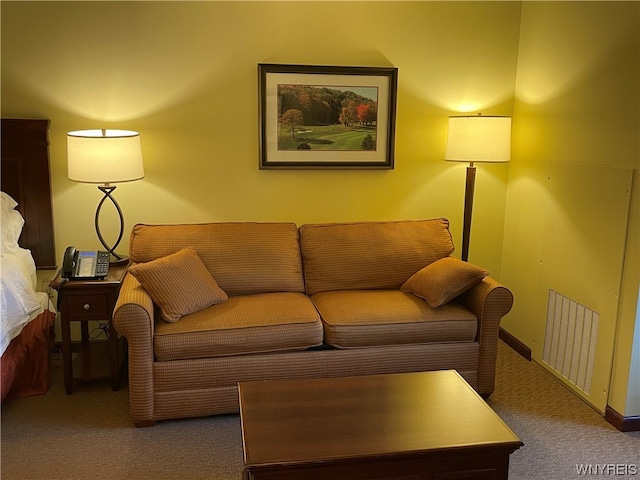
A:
179	284
443	280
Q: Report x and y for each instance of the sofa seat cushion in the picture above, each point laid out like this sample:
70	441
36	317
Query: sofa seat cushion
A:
267	322
365	318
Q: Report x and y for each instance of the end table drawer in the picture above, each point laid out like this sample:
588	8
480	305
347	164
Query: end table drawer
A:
87	307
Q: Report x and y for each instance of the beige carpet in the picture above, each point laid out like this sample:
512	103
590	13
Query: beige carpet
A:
561	433
88	435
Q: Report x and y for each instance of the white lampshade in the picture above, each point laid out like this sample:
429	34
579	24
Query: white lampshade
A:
104	156
479	138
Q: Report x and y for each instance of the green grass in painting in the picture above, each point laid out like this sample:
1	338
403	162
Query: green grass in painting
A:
326	137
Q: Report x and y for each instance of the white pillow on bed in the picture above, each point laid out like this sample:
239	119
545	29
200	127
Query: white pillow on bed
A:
11	224
8	203
18	299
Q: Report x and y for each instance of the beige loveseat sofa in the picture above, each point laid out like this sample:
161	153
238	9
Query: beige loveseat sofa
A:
297	302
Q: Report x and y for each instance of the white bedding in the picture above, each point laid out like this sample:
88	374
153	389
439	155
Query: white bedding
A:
19	301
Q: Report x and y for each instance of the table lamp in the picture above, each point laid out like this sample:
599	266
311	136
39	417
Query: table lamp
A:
105	157
476	139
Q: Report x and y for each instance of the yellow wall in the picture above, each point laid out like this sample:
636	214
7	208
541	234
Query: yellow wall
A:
184	74
576	101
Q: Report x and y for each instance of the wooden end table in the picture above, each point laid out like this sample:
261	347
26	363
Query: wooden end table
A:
410	426
84	301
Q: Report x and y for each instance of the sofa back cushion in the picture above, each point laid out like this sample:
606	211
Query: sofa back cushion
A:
243	258
370	255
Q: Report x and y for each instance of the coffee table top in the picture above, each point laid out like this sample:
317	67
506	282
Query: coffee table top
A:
311	420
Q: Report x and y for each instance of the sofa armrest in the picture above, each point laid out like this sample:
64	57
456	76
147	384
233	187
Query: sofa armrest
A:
133	317
489	301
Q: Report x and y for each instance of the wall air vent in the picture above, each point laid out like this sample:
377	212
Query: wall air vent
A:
570	339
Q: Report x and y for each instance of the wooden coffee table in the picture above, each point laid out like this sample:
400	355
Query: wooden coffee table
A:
410	426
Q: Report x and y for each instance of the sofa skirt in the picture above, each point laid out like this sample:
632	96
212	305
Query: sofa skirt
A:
208	386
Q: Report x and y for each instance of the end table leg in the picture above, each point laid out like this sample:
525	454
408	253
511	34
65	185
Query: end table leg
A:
114	357
67	364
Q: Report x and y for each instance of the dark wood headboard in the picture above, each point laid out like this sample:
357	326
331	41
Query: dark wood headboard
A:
25	176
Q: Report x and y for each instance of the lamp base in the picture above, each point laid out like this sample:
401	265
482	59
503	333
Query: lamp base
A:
115	260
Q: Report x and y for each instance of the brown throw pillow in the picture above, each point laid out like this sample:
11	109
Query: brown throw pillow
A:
443	280
179	284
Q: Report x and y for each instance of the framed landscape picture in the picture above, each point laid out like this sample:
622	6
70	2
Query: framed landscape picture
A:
327	117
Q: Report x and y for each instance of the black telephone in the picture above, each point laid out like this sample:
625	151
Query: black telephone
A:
84	264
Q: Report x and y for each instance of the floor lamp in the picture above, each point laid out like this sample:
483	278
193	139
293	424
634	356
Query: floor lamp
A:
105	157
476	139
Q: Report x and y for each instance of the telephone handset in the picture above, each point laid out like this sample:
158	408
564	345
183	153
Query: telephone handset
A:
84	264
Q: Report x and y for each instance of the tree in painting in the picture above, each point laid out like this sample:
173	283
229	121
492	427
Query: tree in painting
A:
368	143
349	113
291	119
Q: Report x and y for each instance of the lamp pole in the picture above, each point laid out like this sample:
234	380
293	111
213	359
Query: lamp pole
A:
468	209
